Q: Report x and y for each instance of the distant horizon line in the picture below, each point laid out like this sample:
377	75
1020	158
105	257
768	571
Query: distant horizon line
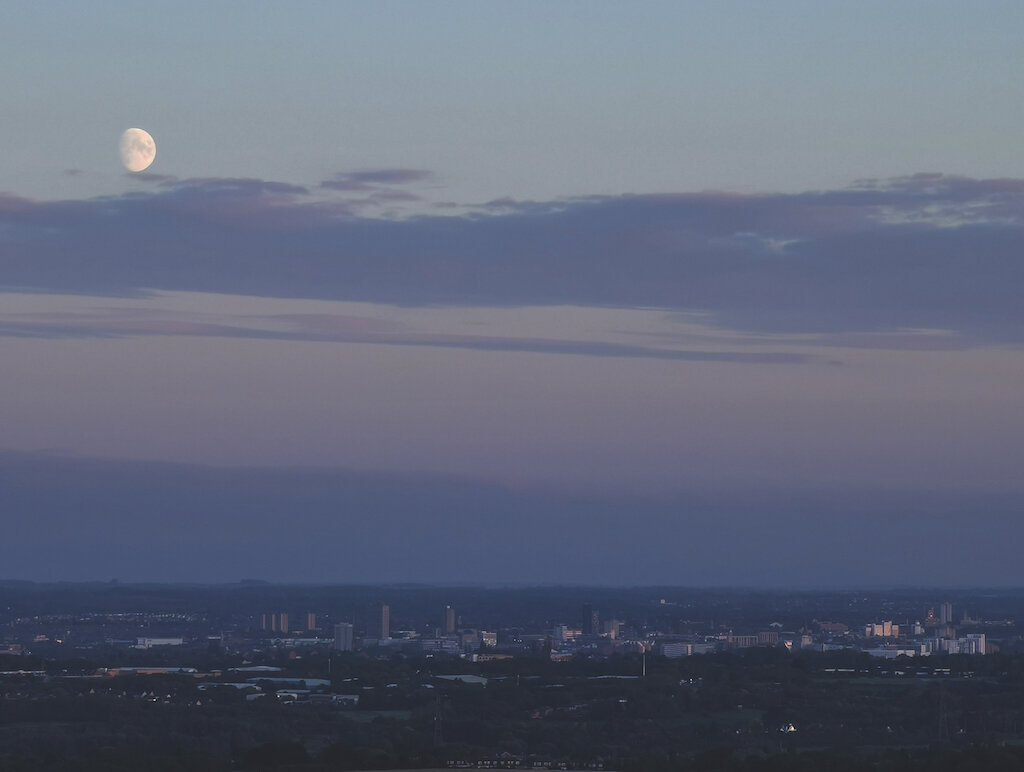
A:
262	583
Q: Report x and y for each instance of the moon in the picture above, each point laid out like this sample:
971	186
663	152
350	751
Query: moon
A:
137	150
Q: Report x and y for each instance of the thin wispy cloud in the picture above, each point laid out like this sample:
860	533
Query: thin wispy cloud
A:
334	328
151	177
380	177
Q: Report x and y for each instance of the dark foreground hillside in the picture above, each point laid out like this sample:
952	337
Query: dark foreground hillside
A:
761	709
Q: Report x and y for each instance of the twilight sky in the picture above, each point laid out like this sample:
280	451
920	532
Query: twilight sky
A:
540	292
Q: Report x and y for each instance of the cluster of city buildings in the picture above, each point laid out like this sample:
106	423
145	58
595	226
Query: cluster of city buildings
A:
447	639
934	633
660	629
887	639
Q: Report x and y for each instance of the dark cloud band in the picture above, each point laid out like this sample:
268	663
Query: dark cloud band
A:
926	251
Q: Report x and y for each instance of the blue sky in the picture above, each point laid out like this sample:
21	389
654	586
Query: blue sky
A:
537	273
529	100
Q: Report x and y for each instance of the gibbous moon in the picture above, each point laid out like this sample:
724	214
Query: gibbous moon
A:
137	150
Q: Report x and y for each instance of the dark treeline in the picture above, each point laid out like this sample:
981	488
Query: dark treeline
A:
759	709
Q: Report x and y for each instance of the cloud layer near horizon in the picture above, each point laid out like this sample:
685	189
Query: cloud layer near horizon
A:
920	252
98	519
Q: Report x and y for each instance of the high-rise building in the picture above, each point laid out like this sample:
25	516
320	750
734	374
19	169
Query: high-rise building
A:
946	613
974	643
343	636
311	621
563	634
449	620
881	630
277	623
385	622
591	620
